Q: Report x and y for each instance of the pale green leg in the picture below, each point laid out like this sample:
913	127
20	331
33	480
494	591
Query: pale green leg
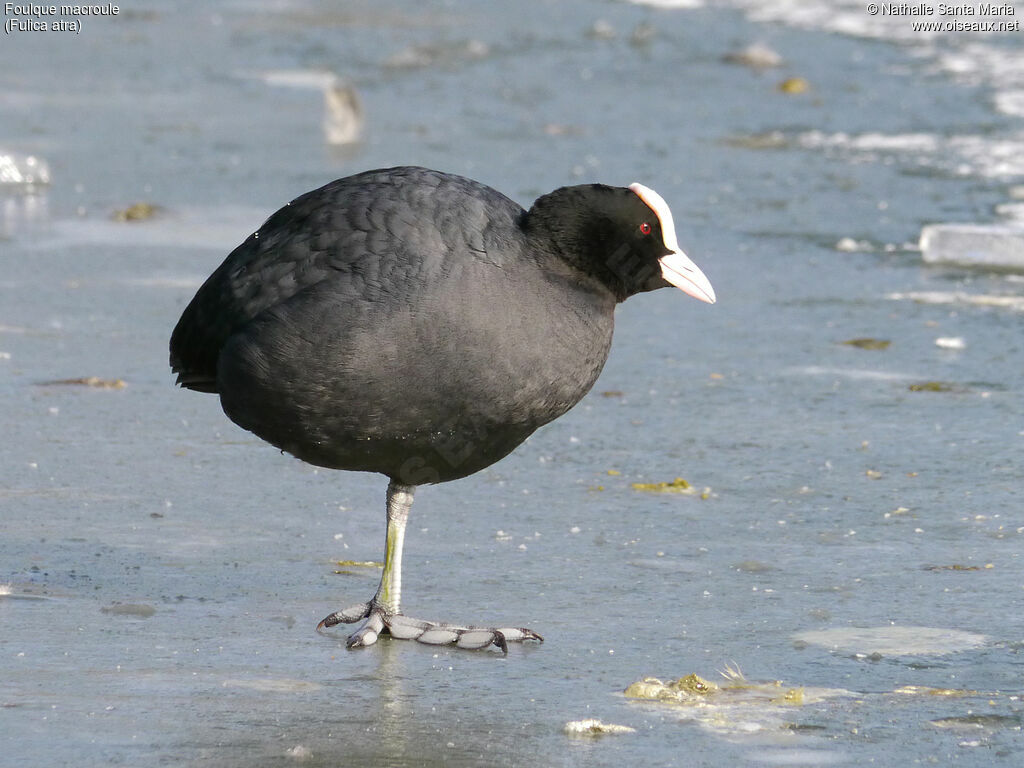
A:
384	612
389	593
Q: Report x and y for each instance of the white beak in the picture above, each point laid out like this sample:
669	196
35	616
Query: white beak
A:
676	267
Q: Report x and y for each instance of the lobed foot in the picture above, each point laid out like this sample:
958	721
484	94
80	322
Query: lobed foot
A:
375	620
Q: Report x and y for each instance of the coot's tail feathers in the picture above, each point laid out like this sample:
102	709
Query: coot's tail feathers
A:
256	275
197	383
199	336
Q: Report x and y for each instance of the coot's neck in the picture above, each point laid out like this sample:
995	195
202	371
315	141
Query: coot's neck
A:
573	225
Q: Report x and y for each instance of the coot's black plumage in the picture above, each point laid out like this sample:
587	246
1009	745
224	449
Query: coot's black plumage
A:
421	325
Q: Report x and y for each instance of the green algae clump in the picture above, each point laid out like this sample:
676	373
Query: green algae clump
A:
694	690
680	690
679	485
867	343
932	386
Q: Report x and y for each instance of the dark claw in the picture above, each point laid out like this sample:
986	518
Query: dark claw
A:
519	634
348	615
330	621
499	640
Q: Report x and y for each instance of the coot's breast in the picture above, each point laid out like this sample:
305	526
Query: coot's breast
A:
427	391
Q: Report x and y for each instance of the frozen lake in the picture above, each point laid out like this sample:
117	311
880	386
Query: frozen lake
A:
859	541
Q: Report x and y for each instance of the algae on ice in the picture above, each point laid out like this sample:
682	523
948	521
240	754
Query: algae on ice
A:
679	485
693	689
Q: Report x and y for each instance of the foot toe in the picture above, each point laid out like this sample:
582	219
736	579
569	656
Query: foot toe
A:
362	638
519	634
439	636
348	615
376	620
368	633
477	638
405	627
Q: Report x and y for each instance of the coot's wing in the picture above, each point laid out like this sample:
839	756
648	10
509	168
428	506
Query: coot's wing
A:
379	228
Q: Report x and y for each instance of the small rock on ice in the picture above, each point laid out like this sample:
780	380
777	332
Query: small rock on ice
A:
299	752
755	56
849	245
593	727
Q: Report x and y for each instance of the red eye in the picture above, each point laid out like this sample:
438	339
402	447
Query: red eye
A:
645	228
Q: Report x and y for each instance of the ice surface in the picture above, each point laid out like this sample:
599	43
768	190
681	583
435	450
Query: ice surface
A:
218	228
313	79
981	245
147	496
1013	303
963	155
971	58
894	640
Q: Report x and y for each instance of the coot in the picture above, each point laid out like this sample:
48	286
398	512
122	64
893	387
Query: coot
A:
421	325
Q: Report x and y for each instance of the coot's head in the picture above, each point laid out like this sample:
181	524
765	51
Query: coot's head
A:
623	236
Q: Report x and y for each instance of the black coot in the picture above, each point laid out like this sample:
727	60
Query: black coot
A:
422	325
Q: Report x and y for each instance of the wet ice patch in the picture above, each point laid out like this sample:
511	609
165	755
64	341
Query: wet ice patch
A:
430	54
1014	303
91	382
135	610
1012	212
870	142
976	722
164	281
670	3
1010	103
271	685
894	641
983	156
218	228
305	79
990	158
978	63
849	373
10	592
664	565
797	757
